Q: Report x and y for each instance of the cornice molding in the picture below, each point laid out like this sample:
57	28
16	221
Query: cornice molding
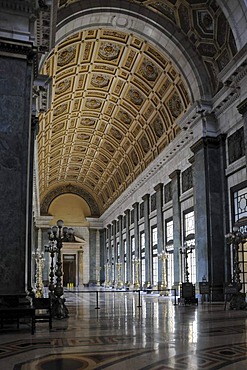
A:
18	47
24	49
208	142
27	6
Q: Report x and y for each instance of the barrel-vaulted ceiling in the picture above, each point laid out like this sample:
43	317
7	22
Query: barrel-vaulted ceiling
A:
116	101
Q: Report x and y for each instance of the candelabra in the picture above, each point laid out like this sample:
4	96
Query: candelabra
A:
52	249
163	257
119	284
57	235
136	262
235	239
98	275
186	250
107	280
39	264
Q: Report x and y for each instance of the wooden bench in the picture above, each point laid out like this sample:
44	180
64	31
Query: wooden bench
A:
14	308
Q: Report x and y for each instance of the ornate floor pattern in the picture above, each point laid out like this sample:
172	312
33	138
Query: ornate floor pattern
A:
158	336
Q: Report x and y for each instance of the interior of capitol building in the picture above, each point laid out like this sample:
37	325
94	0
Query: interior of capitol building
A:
123	185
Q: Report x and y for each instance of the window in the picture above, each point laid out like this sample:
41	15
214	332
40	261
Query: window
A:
118	252
240	204
132	257
125	259
155	256
189	246
170	251
112	263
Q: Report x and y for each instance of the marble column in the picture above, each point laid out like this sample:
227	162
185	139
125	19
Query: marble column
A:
137	267
92	256
160	228
128	246
242	108
103	257
114	243
121	246
109	228
80	268
136	230
175	187
148	252
210	211
31	226
17	69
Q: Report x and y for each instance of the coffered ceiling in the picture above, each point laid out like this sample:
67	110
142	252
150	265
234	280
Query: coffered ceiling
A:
115	103
116	99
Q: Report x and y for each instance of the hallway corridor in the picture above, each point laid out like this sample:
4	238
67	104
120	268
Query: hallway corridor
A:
120	335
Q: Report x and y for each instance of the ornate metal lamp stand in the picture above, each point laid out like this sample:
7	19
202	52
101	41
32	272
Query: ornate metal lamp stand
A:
163	256
107	271
186	251
58	234
52	249
39	261
98	275
136	263
119	280
236	238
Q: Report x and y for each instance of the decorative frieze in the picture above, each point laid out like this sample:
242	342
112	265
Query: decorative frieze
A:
236	148
187	179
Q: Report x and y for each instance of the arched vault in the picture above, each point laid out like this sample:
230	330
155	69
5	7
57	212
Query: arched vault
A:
122	79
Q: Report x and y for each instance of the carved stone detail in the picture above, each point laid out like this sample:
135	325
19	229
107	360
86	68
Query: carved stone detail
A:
109	51
236	147
187	179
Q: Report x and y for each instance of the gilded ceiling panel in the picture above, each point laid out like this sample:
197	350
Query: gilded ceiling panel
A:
114	106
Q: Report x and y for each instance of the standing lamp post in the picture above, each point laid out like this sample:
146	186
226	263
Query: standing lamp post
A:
39	264
98	275
51	249
119	280
57	235
235	239
136	262
163	257
186	250
107	270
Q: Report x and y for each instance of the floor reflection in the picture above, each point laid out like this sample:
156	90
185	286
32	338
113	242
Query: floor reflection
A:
118	334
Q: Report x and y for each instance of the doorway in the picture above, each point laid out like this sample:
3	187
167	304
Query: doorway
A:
69	270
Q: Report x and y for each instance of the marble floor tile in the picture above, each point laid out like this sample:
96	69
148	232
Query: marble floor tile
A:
108	330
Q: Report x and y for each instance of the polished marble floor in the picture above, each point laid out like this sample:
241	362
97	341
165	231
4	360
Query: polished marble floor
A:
109	330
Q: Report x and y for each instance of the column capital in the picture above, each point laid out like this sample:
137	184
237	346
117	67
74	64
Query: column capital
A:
175	174
159	187
135	205
146	197
208	142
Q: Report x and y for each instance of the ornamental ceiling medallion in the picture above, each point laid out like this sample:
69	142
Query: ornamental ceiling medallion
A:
115	104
